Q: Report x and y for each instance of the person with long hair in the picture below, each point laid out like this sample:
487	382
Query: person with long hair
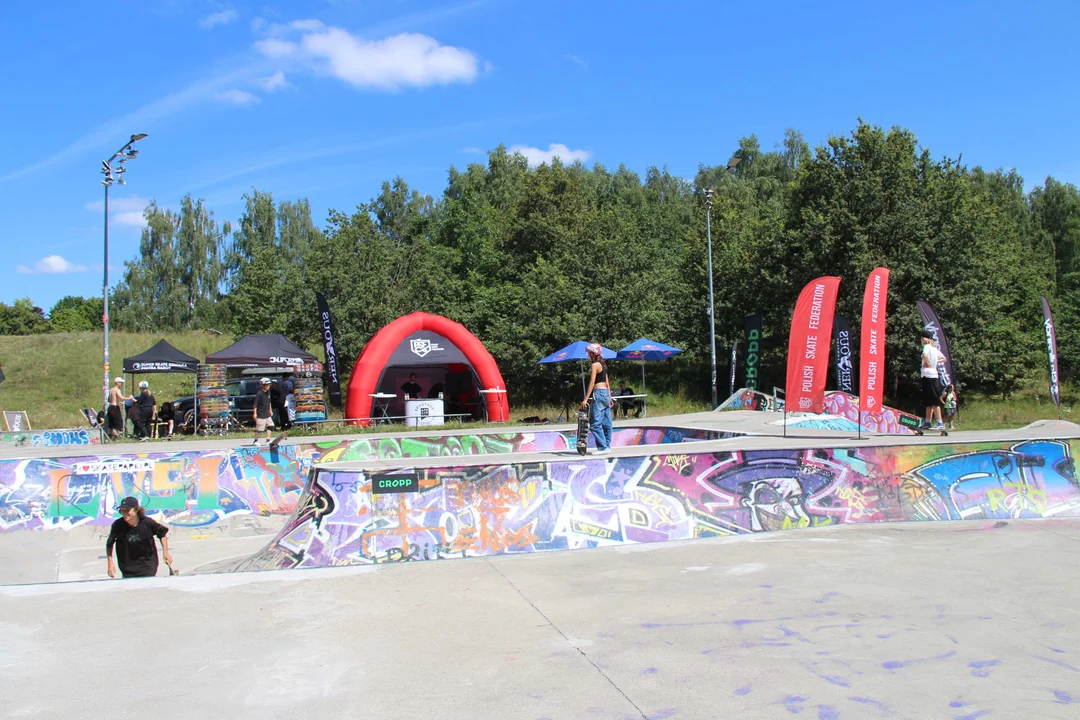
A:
133	537
600	393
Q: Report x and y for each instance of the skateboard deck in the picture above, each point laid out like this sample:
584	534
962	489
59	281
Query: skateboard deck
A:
171	570
919	425
276	441
582	432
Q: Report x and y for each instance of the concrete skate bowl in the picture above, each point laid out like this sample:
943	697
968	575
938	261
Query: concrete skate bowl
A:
64	502
479	509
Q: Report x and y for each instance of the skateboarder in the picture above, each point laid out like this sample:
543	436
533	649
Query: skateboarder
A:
931	389
600	392
133	537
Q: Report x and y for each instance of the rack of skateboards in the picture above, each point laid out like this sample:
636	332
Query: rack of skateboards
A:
216	413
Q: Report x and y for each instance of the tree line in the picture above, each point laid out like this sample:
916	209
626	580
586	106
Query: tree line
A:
532	258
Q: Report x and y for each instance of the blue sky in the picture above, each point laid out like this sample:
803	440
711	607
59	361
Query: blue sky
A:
326	99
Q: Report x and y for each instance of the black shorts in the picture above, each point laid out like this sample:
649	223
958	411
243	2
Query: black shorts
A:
931	391
115	419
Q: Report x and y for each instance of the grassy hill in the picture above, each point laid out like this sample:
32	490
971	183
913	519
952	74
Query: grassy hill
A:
52	376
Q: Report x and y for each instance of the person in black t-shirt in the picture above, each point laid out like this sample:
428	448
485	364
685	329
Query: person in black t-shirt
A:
133	536
147	411
411	389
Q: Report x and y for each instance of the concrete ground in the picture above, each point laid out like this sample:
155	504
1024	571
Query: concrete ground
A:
932	620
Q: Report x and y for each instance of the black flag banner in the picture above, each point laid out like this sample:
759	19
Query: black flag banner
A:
734	362
845	381
327	328
1051	350
752	356
931	323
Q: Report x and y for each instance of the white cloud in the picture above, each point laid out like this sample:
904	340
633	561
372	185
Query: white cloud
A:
219	18
276	48
127	210
399	61
50	265
472	150
578	61
274	82
536	156
236	97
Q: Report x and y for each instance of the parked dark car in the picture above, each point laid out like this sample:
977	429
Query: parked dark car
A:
242	393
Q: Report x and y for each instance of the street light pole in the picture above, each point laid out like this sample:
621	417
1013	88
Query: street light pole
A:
112	175
731	165
712	305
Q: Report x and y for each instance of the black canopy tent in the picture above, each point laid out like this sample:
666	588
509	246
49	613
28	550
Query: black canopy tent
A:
259	350
164	358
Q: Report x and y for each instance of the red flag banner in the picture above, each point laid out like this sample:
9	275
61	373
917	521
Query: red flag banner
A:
808	346
872	345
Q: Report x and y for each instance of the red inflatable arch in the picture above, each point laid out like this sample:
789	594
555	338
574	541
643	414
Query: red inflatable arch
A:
421	342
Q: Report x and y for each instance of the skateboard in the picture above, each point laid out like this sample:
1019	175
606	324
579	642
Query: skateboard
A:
920	425
171	571
273	443
582	432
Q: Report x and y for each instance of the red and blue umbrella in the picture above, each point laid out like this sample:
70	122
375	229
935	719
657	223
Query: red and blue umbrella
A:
646	350
576	351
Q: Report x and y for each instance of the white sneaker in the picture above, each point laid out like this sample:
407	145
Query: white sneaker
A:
604	452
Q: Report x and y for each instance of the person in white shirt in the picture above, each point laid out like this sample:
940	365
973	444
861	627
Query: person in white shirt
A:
931	389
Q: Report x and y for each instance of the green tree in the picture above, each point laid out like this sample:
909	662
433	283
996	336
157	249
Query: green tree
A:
177	279
73	312
22	317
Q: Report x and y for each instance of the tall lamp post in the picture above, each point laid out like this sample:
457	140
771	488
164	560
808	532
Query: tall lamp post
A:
712	305
112	174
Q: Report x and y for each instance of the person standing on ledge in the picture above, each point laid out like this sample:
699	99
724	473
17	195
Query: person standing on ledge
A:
263	414
133	537
600	392
931	388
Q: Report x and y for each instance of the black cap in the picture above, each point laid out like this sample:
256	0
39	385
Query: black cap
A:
928	335
129	503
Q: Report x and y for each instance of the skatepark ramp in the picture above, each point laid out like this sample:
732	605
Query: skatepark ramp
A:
365	513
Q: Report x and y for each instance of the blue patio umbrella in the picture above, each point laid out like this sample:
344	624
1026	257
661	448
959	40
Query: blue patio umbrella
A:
644	349
576	351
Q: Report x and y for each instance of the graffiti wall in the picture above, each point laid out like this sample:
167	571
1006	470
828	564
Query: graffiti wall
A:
50	438
462	511
198	488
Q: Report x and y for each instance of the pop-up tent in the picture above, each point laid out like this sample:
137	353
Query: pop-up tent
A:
260	350
435	349
163	358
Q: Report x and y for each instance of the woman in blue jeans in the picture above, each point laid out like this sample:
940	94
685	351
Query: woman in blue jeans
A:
600	392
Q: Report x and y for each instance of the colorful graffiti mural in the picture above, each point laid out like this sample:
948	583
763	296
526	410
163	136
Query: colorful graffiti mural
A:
843	408
50	438
462	511
198	488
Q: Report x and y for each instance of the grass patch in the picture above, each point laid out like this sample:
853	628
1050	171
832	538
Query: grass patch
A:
53	376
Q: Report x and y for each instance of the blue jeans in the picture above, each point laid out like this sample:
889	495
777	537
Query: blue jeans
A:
601	418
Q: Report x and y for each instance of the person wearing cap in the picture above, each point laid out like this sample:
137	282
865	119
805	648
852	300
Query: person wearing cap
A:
600	393
114	418
931	388
262	410
133	537
146	407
